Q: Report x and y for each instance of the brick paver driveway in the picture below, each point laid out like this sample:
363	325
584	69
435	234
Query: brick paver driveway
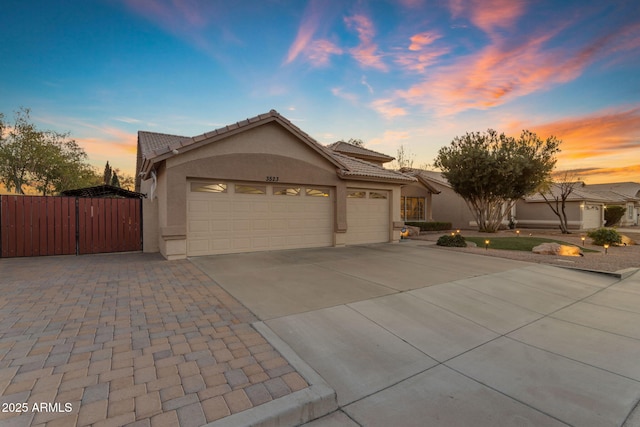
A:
128	339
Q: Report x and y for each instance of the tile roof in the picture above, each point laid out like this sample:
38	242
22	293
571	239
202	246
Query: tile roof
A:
346	148
155	147
628	190
356	168
578	194
426	175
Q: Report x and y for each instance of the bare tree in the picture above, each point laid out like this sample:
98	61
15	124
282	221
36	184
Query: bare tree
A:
556	192
404	159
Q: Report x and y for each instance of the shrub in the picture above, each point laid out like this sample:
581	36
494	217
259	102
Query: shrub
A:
613	214
456	241
431	226
603	236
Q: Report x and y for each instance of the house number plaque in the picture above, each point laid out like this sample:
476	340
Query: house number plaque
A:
273	178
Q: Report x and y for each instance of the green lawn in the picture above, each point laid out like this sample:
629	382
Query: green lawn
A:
521	243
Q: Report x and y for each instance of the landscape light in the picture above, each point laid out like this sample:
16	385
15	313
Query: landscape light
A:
486	244
606	248
583	239
458	231
518	233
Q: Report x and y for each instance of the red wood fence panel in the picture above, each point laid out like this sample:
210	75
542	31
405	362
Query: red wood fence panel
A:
37	225
46	225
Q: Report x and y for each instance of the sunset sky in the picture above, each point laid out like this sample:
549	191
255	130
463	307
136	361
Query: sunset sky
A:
408	72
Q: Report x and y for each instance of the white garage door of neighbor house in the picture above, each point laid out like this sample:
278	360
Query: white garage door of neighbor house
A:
367	216
227	217
591	217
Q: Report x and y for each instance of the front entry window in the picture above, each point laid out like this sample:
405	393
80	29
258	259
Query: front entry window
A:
413	208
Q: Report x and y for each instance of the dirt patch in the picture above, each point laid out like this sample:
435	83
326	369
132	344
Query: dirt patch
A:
615	259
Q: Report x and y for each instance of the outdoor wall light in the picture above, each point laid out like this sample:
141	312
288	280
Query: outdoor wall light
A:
486	244
606	248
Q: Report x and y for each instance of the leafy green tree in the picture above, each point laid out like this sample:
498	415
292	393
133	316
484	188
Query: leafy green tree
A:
114	179
47	161
108	174
613	215
491	171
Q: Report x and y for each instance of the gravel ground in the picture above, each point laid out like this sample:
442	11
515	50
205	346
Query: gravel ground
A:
616	259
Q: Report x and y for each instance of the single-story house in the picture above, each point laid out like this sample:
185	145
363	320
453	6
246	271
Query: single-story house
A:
261	184
416	202
625	194
448	207
584	209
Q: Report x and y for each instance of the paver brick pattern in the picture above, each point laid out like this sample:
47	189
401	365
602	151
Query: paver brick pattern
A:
128	339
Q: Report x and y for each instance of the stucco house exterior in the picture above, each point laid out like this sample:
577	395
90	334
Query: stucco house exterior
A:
625	194
261	184
448	205
584	209
416	201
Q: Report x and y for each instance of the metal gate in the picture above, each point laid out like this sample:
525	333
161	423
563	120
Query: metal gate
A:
51	225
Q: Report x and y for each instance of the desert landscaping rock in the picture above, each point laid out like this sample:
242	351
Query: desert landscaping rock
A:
557	249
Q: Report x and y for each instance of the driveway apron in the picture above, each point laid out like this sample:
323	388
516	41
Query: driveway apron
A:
412	335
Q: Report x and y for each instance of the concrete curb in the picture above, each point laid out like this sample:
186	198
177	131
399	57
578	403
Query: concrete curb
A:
620	274
294	409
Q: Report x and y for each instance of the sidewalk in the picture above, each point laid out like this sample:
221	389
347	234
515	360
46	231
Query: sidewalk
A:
128	340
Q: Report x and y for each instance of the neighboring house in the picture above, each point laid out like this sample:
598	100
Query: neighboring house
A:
260	184
449	206
416	203
584	209
625	194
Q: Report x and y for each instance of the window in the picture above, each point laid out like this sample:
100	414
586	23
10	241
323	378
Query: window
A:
317	192
286	191
630	211
214	187
377	195
356	195
412	208
250	189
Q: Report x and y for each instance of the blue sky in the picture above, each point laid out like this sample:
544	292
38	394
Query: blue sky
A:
409	72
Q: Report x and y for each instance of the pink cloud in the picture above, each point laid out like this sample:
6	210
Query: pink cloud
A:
609	137
320	51
504	71
313	16
421	52
366	53
488	15
387	109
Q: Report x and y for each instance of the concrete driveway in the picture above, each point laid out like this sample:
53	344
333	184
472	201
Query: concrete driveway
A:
412	335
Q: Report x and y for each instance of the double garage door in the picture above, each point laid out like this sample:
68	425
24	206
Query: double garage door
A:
228	217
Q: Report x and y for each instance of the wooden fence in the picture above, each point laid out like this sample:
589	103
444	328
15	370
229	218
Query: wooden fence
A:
49	225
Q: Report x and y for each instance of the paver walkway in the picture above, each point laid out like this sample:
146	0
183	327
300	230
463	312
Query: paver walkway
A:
128	339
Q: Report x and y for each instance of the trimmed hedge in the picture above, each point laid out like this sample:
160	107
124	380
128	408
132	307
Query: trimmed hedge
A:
431	226
603	236
455	241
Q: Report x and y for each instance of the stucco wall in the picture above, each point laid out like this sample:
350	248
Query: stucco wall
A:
540	215
266	153
450	207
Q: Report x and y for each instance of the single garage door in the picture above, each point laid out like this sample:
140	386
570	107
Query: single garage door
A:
367	216
591	217
227	217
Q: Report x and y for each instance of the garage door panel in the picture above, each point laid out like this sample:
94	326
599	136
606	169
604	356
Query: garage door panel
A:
248	222
367	218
